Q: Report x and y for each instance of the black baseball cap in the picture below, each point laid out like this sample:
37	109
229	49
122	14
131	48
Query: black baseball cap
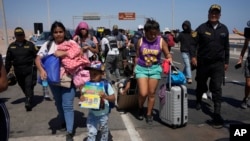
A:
214	7
19	31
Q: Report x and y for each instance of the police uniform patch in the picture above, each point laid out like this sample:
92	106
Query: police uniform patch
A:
208	33
26	46
194	34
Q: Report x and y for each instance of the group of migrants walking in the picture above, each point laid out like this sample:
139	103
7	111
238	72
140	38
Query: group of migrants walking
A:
86	59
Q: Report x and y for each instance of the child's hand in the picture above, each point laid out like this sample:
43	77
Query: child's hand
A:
102	94
82	98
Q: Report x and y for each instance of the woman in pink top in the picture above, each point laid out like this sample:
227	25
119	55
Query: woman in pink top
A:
87	42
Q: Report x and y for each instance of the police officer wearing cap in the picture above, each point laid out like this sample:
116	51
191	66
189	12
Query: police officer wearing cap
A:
21	55
211	56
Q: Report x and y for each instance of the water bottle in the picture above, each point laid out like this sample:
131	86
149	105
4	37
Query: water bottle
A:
45	89
120	88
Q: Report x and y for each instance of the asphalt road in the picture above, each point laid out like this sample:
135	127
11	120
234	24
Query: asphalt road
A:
41	123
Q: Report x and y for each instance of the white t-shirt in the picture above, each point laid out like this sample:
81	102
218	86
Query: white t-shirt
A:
43	51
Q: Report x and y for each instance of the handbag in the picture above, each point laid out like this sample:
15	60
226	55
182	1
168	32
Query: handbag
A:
65	81
177	77
52	64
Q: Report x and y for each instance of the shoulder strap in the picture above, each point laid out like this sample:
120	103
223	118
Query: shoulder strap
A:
106	86
49	44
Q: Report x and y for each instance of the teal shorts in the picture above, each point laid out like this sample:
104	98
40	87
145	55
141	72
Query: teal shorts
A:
153	71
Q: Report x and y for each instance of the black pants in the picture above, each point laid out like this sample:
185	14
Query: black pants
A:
27	81
214	71
4	122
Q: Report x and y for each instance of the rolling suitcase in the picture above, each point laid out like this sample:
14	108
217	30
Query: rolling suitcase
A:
173	104
130	100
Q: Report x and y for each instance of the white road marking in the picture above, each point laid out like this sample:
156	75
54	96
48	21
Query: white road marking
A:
133	134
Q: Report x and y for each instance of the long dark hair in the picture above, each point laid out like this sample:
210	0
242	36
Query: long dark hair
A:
53	27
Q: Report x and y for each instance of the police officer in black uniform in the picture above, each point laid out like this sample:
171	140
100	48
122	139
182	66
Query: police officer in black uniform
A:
211	56
21	54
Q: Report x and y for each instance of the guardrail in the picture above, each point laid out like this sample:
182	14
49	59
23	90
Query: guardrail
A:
236	42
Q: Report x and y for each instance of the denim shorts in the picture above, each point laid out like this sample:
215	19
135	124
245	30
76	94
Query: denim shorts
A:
153	71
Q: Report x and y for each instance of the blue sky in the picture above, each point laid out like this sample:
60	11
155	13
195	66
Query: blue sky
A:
235	13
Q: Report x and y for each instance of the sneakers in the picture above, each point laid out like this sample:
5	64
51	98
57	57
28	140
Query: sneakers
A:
47	97
69	137
149	119
217	121
244	104
140	114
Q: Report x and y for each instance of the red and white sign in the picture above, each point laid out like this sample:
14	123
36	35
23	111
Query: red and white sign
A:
126	16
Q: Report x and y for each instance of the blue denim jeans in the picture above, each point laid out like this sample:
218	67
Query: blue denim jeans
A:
92	125
187	66
64	101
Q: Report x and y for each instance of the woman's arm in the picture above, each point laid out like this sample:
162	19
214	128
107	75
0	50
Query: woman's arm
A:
235	31
41	70
243	50
165	50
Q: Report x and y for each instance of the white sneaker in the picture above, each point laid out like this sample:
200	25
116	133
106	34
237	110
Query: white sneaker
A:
204	96
47	97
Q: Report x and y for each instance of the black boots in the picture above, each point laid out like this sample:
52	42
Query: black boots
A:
28	104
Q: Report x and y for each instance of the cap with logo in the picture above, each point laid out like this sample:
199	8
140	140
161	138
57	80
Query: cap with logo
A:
96	65
19	31
214	7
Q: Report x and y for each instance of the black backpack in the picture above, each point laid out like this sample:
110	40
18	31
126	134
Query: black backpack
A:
113	43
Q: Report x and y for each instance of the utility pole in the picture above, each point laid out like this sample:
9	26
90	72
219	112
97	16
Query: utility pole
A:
48	6
172	14
5	34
